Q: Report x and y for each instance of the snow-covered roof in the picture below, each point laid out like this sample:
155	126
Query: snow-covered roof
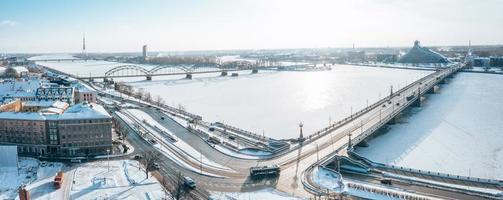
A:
22	115
38	103
21	69
51	110
78	111
419	54
85	110
81	87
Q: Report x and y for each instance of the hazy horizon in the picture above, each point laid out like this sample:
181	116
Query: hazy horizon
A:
30	26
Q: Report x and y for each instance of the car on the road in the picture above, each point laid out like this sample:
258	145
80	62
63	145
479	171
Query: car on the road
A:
43	163
137	157
385	181
156	166
189	182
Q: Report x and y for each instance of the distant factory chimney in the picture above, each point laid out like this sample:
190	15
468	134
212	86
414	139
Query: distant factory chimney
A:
144	53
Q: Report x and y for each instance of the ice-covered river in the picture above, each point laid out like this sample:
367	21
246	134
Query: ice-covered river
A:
274	103
458	131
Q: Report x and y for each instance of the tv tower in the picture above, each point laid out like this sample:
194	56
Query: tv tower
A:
84	44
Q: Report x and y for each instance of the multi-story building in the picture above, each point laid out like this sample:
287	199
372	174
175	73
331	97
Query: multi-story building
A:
81	130
84	93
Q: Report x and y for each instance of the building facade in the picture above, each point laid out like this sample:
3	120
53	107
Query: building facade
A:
82	130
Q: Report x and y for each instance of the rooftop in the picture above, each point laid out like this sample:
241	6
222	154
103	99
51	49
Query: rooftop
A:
77	111
419	54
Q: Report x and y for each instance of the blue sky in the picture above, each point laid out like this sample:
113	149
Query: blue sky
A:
123	26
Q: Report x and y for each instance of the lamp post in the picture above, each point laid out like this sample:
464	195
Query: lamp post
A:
108	158
301	136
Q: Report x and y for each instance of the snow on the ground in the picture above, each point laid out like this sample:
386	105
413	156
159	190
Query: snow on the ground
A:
114	179
370	191
235	154
264	194
431	182
457	131
196	155
43	187
327	179
167	152
38	179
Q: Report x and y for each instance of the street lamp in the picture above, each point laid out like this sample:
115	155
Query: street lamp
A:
108	158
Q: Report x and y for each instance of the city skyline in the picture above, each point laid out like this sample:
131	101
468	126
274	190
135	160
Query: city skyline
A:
124	26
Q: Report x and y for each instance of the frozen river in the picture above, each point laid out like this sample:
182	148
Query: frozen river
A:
274	103
458	131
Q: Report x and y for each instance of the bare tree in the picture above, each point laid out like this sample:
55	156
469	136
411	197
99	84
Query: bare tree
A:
181	107
139	93
174	186
149	158
159	100
148	97
179	190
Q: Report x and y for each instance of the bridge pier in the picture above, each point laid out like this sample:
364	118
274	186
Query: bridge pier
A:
188	76
363	143
224	73
417	102
395	119
432	90
442	81
254	71
149	78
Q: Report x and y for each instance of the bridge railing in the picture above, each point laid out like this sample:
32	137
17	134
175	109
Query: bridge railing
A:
330	128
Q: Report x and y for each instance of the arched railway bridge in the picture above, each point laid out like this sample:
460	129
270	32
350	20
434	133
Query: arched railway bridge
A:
133	70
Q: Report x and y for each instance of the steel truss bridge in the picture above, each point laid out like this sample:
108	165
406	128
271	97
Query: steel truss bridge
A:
133	70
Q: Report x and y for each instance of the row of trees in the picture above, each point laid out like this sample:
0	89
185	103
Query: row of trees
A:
138	93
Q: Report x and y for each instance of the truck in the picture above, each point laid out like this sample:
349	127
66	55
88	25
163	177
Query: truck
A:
272	170
58	180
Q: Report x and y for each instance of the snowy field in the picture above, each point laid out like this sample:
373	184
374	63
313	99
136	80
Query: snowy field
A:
264	194
259	102
457	131
38	179
124	179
